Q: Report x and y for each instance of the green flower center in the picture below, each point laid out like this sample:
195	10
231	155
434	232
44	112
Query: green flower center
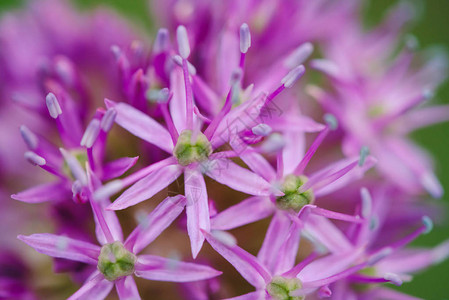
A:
292	198
280	288
115	261
188	150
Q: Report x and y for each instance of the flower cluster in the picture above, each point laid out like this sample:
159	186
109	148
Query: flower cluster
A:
227	125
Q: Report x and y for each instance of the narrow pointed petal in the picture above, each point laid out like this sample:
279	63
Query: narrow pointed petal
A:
329	266
157	221
127	289
248	211
54	191
163	269
62	247
141	125
288	250
96	287
197	209
296	123
228	173
339	175
111	221
274	238
178	109
246	264
118	167
327	234
293	151
147	187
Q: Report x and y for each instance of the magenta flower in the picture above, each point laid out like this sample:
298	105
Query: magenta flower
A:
377	100
299	190
192	150
285	279
116	259
67	163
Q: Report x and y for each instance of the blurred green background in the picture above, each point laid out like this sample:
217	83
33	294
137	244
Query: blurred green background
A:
431	28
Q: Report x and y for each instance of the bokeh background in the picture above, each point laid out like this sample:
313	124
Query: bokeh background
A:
430	29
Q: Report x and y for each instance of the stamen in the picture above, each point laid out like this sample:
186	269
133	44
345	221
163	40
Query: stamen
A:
331	121
65	70
378	256
178	60
326	66
116	51
393	278
108	189
364	152
367	202
293	76
29	137
262	129
183	42
74	166
91	133
299	55
224	237
141	218
245	38
53	105
161	42
428	224
35	159
275	142
108	119
311	151
163	95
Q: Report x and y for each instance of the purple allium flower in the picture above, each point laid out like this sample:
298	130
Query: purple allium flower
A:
285	279
376	100
67	163
116	258
191	149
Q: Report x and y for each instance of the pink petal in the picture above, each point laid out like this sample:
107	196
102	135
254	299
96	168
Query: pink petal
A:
96	287
54	191
118	167
274	238
127	289
296	123
329	266
248	211
147	187
197	209
228	173
156	222
141	125
164	269
112	222
178	103
338	175
288	250
293	151
62	247
246	264
327	234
